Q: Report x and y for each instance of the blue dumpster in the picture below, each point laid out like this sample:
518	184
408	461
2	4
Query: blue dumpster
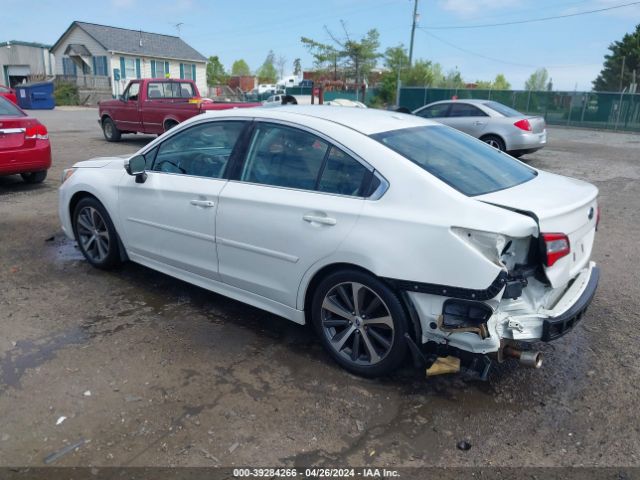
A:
36	96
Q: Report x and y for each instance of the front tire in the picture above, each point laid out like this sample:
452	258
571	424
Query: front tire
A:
110	131
361	322
95	234
494	141
34	177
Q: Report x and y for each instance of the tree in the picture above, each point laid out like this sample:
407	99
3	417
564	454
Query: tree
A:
240	68
612	76
500	83
297	67
215	72
396	58
267	73
358	57
453	79
325	57
281	61
537	80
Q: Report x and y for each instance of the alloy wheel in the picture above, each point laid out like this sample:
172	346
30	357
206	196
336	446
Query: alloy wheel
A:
108	129
357	323
493	143
93	234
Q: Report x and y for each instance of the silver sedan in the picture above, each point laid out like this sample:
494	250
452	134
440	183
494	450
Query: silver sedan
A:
494	123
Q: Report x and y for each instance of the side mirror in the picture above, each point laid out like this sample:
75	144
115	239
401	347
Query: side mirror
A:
135	167
121	98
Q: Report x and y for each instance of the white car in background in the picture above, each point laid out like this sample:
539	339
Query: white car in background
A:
500	126
388	232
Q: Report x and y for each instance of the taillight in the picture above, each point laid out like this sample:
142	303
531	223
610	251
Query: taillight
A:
36	132
556	246
524	125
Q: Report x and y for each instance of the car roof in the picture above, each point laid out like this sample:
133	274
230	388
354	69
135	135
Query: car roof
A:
367	121
474	101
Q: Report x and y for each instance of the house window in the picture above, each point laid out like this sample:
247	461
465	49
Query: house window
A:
130	68
100	65
188	71
68	67
159	68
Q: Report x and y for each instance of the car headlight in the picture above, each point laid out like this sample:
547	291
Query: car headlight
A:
66	174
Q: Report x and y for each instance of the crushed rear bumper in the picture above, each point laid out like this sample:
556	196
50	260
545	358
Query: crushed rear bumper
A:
555	327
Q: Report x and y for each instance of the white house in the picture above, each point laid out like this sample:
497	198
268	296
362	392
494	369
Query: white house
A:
118	54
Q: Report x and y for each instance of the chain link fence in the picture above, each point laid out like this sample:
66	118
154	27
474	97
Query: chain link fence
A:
615	111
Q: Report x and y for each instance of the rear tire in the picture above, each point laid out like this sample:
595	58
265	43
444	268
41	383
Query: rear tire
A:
361	322
494	141
34	177
95	234
110	131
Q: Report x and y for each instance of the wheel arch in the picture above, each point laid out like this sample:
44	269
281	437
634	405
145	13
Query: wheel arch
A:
323	272
497	135
73	202
169	119
104	116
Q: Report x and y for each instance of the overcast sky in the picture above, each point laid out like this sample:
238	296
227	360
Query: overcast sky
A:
572	49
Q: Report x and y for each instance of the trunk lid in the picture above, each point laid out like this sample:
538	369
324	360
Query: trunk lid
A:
12	132
560	205
537	124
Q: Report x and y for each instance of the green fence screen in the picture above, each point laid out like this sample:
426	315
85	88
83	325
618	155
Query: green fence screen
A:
615	111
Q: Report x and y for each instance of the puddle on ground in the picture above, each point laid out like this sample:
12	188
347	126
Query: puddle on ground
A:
63	250
29	354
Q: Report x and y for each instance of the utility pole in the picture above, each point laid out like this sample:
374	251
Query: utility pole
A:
413	30
624	57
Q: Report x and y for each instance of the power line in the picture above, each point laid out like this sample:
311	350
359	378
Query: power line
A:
531	20
493	59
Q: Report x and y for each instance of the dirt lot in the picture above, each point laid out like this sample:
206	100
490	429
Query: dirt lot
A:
149	370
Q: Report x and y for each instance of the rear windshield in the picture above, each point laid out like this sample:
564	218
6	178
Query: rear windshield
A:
8	109
463	162
503	109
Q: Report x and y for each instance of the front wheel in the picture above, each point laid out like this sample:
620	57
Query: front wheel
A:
95	233
361	322
110	131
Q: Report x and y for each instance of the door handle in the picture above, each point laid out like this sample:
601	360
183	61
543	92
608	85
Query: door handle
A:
319	219
203	203
478	123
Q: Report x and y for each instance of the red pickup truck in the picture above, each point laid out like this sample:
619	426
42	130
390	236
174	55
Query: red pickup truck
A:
154	105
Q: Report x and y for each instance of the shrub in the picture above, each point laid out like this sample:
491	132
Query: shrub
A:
66	93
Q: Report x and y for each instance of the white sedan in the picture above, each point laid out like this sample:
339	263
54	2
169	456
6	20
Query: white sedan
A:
388	232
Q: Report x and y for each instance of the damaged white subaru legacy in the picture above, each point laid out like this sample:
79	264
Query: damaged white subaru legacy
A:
391	234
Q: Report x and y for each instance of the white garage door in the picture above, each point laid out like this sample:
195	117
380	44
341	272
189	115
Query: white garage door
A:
18	70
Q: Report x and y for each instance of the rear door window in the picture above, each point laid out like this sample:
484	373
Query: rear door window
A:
465	110
285	157
342	174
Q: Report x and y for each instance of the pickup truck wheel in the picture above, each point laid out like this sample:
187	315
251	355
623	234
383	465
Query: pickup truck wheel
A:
34	177
110	131
169	124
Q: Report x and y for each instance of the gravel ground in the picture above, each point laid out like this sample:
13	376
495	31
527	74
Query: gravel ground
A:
148	370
